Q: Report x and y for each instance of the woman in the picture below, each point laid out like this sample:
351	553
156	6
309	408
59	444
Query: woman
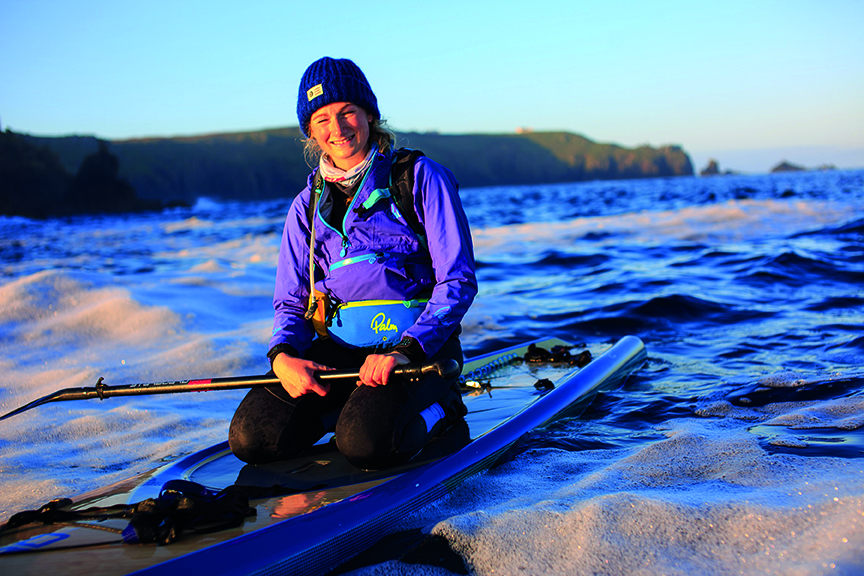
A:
364	251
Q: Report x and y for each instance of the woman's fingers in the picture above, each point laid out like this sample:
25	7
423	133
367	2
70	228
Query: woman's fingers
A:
298	376
378	368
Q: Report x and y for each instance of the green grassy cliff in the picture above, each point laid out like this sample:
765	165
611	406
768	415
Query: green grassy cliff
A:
270	163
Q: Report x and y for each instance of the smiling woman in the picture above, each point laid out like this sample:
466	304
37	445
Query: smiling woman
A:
383	292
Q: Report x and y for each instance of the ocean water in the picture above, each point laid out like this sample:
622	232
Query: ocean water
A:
737	449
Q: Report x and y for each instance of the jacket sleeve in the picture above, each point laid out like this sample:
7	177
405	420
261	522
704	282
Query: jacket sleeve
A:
291	294
439	208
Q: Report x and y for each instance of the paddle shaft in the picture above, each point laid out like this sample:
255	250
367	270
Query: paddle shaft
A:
444	368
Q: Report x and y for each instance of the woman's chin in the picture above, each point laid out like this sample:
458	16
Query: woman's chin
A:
346	158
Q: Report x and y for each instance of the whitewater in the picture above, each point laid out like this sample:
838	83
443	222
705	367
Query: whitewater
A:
737	449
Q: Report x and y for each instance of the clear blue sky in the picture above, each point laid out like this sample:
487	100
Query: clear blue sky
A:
729	79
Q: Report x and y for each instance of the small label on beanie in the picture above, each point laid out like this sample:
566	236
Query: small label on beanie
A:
314	92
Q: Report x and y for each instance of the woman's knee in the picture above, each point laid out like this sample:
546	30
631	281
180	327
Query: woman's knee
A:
365	430
365	442
246	442
266	428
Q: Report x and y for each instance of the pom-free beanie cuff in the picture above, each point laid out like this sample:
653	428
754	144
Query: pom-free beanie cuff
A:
330	80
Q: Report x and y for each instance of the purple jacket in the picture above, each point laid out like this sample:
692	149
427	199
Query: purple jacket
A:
380	257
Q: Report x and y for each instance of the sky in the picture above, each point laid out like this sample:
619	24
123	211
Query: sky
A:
748	83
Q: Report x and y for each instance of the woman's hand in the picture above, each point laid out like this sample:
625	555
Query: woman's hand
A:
378	368
298	376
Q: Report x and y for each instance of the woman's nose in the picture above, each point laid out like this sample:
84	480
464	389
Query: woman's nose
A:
338	126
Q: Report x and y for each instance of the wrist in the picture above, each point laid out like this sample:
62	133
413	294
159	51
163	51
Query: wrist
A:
410	348
399	356
283	348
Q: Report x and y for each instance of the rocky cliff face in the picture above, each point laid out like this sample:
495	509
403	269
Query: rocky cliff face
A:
32	178
270	163
35	183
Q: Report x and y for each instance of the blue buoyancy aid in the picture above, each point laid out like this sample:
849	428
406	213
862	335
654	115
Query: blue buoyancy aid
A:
377	256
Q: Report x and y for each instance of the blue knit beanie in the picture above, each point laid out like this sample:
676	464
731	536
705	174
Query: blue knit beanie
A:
329	80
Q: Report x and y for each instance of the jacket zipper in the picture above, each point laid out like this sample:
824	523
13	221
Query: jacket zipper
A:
346	244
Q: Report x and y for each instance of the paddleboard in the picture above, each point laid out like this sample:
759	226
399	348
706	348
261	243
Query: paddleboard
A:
329	511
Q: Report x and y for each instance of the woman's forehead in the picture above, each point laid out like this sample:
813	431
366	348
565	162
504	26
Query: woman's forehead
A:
332	108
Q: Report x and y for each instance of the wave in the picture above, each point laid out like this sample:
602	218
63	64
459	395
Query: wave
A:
727	222
63	329
703	484
204	203
836	303
651	318
793	268
855	228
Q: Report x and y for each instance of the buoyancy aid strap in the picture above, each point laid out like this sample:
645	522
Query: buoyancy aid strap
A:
316	310
402	188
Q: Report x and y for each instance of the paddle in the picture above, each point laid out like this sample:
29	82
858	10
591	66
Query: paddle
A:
444	368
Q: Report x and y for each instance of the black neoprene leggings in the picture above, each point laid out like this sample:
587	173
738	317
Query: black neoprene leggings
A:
375	427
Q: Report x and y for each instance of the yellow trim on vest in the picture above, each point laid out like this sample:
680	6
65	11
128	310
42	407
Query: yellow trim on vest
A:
406	303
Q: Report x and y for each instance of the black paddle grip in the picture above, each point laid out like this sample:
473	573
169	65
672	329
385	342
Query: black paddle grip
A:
444	368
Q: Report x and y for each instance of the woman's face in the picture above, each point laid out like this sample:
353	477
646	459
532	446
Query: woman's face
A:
341	130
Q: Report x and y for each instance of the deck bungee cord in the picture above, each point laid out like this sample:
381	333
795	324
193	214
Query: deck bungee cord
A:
482	376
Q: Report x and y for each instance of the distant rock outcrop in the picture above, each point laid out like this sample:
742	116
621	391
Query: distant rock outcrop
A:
713	168
787	167
97	188
35	184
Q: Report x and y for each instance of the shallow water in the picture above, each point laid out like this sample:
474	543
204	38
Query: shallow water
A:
736	450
